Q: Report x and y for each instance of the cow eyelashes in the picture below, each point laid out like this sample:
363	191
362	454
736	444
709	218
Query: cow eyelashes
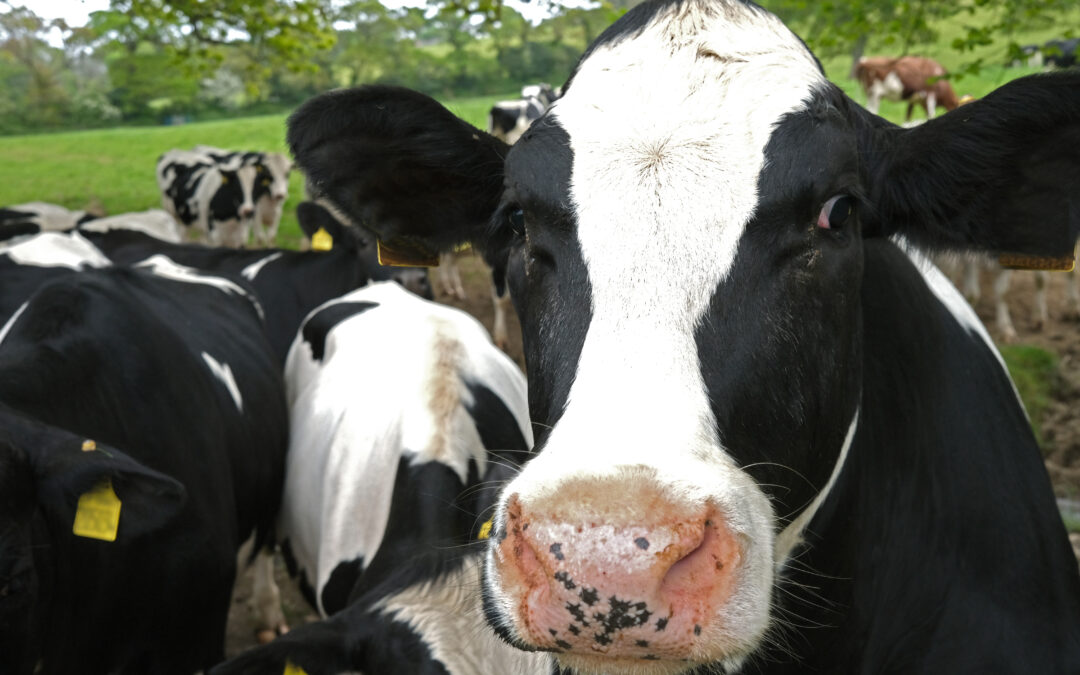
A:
836	212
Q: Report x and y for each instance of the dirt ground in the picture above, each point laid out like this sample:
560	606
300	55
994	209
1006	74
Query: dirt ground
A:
1061	427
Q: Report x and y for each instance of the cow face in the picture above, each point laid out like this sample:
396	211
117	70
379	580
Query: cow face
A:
682	234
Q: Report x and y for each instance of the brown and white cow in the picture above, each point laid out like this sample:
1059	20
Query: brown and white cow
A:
915	79
770	437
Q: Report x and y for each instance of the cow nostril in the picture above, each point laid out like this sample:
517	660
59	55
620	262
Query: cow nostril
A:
714	556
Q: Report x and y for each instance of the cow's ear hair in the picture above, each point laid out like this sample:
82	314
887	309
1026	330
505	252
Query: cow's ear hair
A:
399	163
65	468
1001	174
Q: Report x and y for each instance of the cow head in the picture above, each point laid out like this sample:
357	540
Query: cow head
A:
683	234
43	473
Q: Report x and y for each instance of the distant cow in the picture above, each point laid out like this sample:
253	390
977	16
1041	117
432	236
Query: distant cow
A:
273	168
142	440
509	119
34	217
216	202
288	284
770	437
155	222
907	78
389	483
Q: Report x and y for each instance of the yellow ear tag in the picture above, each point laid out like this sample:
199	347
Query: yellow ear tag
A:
404	255
1019	261
98	515
485	530
89	446
291	669
321	240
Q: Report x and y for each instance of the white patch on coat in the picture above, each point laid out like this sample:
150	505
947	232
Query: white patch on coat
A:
447	616
156	223
390	384
252	270
223	372
955	303
11	322
668	130
791	536
49	217
56	249
164	267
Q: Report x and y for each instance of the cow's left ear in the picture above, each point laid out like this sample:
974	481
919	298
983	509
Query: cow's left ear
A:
1001	174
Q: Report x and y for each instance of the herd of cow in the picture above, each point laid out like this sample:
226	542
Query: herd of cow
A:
760	432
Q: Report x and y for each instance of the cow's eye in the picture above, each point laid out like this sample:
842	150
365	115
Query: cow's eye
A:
516	220
836	212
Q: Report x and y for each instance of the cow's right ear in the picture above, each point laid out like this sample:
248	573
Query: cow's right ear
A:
399	163
73	479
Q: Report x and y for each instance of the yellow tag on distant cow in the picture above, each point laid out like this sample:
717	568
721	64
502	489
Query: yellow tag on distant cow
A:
89	446
1018	261
404	255
485	530
292	669
98	515
321	240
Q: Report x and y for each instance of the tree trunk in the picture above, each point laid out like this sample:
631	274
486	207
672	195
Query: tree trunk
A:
856	53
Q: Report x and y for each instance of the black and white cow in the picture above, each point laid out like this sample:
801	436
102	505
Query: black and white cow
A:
217	202
288	284
508	120
403	417
273	169
161	381
27	264
769	438
155	222
34	217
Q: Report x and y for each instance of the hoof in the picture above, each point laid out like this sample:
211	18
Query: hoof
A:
267	635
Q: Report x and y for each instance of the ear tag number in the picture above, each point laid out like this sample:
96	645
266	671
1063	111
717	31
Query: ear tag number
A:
292	669
1017	261
98	514
485	530
404	255
321	240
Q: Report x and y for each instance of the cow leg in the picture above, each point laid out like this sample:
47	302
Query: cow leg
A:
450	276
1042	278
502	307
971	280
1004	320
931	106
266	599
1072	289
910	110
873	101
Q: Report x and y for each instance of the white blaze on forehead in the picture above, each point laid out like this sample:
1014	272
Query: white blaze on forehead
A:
668	130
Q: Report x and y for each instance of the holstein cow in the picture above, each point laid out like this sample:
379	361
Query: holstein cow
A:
155	222
404	419
142	441
907	78
768	436
273	169
34	217
288	284
29	263
216	202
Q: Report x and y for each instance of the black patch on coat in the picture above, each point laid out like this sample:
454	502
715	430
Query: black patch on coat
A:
318	327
